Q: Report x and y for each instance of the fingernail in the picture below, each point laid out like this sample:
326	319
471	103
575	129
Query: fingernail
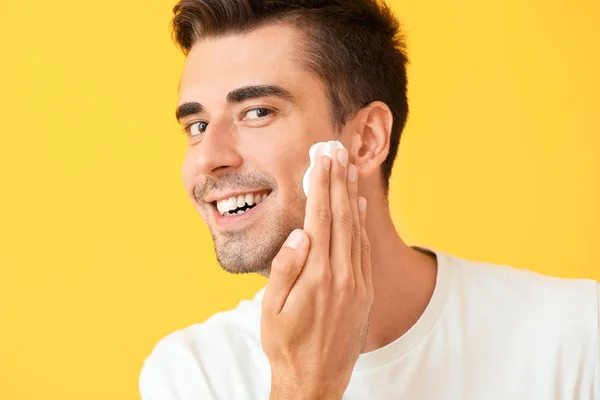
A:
295	240
352	173
326	163
362	204
342	156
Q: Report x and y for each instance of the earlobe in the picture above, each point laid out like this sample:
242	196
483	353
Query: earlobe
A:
371	137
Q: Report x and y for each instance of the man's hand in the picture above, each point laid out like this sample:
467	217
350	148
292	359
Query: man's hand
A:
316	307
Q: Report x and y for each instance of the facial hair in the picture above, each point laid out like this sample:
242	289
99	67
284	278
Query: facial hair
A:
252	249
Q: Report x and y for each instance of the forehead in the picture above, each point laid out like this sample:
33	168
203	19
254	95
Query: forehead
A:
266	55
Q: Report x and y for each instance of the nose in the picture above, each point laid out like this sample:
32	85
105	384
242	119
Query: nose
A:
217	152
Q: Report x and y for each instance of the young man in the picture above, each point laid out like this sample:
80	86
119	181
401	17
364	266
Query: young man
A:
350	310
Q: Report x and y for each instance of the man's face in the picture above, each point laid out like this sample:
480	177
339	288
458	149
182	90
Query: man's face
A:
260	112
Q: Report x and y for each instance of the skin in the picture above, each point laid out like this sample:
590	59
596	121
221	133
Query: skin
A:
338	294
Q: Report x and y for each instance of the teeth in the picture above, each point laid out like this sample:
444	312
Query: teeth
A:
232	203
241	200
227	206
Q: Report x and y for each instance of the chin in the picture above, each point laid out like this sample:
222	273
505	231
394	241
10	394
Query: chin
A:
254	256
251	250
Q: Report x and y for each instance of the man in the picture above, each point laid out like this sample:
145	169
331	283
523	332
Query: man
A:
350	310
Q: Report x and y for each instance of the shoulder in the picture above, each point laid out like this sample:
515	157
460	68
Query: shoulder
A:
509	284
527	300
515	286
203	359
549	324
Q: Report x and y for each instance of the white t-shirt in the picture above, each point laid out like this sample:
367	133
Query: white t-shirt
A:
489	332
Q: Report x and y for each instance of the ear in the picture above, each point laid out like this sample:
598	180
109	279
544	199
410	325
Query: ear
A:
370	131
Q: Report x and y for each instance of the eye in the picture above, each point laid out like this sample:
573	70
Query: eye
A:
196	128
258	113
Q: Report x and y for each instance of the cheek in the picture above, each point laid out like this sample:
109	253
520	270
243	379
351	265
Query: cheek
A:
289	177
283	162
188	174
284	157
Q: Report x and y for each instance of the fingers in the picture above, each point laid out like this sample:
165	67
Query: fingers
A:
317	220
342	221
285	268
352	184
365	250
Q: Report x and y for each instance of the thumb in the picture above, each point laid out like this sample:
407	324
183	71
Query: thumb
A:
285	269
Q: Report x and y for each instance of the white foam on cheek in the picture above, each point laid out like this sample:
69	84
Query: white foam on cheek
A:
316	150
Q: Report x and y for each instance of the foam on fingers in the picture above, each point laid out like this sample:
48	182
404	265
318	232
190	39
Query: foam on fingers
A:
316	150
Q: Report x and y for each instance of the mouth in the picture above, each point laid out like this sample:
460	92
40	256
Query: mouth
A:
239	208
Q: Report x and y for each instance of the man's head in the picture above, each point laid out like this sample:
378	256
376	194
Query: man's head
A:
262	82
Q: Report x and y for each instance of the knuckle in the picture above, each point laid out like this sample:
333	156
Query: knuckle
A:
367	297
282	265
323	214
322	277
356	233
344	217
363	292
366	250
366	246
345	282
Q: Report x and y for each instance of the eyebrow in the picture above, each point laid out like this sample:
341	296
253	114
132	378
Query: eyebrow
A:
237	96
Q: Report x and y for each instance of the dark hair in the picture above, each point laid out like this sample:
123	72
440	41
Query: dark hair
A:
355	47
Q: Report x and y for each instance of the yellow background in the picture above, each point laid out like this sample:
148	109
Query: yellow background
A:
101	254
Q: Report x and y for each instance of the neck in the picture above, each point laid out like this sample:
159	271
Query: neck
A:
403	278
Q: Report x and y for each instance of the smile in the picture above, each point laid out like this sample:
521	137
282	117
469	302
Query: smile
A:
237	205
